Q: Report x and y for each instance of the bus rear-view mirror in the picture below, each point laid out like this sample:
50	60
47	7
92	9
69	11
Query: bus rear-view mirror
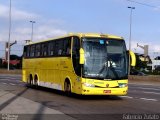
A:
81	61
133	58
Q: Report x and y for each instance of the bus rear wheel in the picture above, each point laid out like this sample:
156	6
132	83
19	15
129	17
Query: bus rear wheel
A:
35	81
67	88
30	81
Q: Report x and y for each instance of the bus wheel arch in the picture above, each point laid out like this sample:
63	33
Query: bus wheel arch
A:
67	86
30	80
36	80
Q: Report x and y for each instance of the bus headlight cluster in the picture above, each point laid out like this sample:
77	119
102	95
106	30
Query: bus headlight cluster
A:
88	85
122	85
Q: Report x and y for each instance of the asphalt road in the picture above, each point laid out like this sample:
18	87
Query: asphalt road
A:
141	100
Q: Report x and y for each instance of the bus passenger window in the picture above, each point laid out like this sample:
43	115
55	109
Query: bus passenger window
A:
28	51
68	51
38	47
60	47
75	55
59	52
51	47
25	51
44	49
32	52
56	47
67	46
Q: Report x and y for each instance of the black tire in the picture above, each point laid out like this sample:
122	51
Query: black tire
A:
30	81
36	82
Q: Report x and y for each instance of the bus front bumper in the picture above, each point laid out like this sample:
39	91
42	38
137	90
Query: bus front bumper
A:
104	91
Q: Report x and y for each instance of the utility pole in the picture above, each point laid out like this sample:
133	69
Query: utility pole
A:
10	11
32	30
130	37
8	49
145	48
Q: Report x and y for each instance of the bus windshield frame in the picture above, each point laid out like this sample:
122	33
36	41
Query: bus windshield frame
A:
105	58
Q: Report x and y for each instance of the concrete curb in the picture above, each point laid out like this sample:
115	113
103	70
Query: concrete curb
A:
149	78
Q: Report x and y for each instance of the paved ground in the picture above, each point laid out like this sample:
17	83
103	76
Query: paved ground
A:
42	103
13	106
18	106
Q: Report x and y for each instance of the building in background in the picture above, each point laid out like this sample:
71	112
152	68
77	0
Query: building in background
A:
156	63
15	62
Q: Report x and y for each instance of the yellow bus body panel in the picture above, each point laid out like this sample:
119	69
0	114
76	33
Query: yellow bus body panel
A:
102	86
53	71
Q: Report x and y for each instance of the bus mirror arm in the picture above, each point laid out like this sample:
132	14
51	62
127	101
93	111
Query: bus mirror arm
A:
133	58
81	60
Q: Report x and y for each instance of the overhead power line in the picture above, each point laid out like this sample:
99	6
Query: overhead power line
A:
143	4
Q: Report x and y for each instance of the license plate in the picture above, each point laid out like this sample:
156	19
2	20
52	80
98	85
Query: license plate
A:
107	91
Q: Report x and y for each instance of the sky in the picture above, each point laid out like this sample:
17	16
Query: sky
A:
59	17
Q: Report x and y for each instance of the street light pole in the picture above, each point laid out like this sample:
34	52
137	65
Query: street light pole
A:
10	11
32	30
130	36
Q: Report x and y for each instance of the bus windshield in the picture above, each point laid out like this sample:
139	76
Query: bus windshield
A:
105	59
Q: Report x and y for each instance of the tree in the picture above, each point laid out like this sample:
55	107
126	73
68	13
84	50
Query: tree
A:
15	57
1	63
140	64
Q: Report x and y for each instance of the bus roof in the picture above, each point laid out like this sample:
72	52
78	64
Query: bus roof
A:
95	35
81	35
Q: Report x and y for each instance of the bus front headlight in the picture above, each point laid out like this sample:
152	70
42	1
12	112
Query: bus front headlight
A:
88	85
122	85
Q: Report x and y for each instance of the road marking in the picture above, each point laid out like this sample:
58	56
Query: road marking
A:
6	80
148	88
139	98
127	97
148	99
21	85
4	83
146	84
152	93
12	84
10	79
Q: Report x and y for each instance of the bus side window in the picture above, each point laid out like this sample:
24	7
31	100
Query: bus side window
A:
38	47
44	49
51	48
28	51
67	46
59	47
75	55
56	47
25	52
32	51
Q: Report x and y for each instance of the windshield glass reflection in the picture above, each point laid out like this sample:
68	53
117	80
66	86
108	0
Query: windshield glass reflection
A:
104	58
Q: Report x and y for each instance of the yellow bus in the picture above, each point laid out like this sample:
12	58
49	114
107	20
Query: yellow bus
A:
85	64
